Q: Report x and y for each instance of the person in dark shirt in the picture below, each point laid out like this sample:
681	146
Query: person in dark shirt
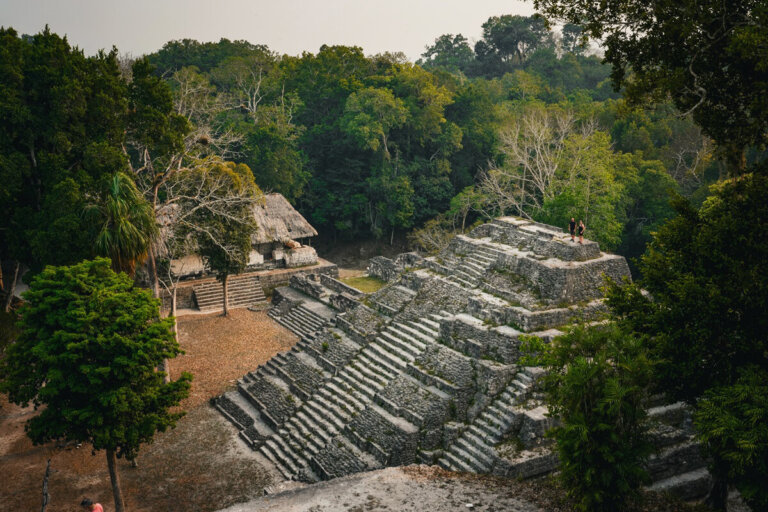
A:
582	228
572	228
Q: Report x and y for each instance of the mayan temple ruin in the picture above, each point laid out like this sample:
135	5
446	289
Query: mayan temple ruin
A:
426	370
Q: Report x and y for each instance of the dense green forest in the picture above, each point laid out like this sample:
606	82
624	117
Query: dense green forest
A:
136	158
526	123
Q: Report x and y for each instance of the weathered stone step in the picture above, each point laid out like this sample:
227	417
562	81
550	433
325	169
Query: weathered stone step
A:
687	486
253	288
356	380
431	323
406	344
462	282
475	265
485	431
329	411
478	454
312	428
475	464
452	462
418	335
276	450
394	355
369	372
336	390
233	298
308	315
299	322
378	364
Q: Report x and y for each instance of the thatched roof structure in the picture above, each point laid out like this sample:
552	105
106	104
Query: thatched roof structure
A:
278	221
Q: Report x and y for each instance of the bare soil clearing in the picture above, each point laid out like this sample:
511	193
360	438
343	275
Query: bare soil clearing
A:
199	466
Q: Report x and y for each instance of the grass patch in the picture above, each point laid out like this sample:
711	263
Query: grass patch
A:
365	284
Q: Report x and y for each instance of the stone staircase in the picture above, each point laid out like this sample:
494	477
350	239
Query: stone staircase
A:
244	290
678	466
428	367
301	320
469	270
473	451
324	416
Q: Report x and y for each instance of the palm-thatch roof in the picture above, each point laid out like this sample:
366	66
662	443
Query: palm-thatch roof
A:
278	221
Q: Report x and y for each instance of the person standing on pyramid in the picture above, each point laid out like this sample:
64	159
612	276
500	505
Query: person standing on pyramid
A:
572	228
582	228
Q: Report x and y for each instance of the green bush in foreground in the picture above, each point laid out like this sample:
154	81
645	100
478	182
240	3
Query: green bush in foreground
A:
597	386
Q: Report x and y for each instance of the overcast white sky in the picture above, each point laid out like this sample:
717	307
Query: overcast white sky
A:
286	26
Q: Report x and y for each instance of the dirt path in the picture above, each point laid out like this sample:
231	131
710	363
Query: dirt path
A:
200	466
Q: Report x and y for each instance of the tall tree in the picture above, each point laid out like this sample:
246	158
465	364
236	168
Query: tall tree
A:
449	52
63	126
509	40
709	57
88	350
215	208
705	272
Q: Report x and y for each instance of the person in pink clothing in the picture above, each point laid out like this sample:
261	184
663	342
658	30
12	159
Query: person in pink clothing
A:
89	505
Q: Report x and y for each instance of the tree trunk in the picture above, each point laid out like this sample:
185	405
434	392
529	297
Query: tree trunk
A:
166	364
224	284
153	274
153	262
392	237
12	290
736	158
115	479
718	494
46	496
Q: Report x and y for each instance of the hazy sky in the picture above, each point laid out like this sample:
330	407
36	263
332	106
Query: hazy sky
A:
286	26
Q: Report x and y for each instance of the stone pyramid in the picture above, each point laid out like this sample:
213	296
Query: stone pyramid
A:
426	370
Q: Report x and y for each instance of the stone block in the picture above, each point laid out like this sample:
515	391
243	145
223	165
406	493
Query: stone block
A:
384	268
396	438
300	257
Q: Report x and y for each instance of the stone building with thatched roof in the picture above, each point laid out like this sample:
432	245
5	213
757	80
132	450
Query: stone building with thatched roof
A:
282	240
283	235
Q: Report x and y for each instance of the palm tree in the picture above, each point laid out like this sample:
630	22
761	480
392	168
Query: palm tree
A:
127	223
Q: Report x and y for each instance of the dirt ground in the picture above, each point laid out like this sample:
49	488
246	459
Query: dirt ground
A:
199	466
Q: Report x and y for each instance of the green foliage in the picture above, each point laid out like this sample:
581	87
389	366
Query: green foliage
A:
597	384
732	422
88	351
449	52
590	191
126	223
223	234
509	40
63	125
204	56
709	57
369	116
706	273
645	204
8	329
706	322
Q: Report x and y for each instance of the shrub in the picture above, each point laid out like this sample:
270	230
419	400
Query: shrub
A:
596	384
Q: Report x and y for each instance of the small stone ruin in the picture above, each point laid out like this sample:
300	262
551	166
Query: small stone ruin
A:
426	370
